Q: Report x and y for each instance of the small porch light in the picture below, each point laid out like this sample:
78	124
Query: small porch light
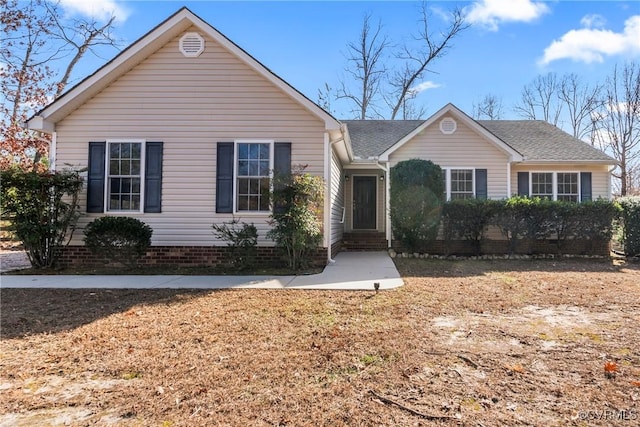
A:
346	178
381	177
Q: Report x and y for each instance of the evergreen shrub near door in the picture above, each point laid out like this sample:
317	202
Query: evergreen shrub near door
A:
297	216
118	238
416	199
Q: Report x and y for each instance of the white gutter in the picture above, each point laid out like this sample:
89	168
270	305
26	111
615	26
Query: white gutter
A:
327	196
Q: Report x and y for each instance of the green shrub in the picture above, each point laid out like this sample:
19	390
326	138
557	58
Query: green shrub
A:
42	208
512	218
297	221
630	224
416	199
118	238
242	242
468	219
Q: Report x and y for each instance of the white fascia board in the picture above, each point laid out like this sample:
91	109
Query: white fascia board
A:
38	123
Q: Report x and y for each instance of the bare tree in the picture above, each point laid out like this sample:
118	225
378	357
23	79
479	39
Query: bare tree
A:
366	68
416	62
616	126
36	39
580	101
378	80
539	100
490	107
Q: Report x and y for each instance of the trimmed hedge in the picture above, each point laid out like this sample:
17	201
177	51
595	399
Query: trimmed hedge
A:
630	224
523	221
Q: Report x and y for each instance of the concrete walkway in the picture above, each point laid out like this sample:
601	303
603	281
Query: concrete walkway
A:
350	271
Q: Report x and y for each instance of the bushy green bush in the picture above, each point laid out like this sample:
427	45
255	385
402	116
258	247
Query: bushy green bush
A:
242	242
468	219
630	224
513	218
297	223
118	238
42	208
416	199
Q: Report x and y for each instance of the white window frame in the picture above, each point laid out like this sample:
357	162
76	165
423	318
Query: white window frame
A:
271	143
107	180
554	175
447	174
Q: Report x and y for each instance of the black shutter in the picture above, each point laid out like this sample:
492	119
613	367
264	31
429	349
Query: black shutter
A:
481	184
523	184
281	168
224	178
153	178
282	159
96	177
585	187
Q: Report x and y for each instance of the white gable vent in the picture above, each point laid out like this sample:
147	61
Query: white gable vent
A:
448	126
191	45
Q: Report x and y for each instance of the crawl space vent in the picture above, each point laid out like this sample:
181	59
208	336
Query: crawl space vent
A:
191	45
448	126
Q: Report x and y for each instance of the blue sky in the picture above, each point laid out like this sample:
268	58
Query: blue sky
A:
509	43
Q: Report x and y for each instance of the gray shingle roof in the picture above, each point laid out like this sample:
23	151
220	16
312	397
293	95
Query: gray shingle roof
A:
536	140
370	138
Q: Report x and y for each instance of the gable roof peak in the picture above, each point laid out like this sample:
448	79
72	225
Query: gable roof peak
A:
139	50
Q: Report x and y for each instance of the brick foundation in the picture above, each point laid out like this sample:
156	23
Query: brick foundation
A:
524	247
187	256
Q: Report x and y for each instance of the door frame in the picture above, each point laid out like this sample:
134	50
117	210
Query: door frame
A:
353	195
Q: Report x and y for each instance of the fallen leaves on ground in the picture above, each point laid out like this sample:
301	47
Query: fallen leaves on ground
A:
462	343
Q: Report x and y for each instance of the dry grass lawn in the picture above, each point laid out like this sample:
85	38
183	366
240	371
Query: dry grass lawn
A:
464	343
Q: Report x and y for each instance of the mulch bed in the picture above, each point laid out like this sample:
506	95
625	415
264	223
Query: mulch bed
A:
479	343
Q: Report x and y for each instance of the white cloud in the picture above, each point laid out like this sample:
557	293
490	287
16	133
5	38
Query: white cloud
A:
97	9
593	21
424	86
492	13
593	44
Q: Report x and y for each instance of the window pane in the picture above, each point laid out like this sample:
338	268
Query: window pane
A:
125	167
125	164
264	151
254	151
264	168
243	168
136	151
461	184
114	151
542	185
243	151
253	168
114	167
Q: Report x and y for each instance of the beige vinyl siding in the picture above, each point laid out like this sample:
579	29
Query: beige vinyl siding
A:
464	149
600	176
337	199
191	104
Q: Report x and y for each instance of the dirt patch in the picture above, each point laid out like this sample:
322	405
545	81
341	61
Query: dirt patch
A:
463	343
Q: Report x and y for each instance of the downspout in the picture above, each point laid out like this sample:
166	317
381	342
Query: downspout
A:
508	180
327	196
52	151
387	212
